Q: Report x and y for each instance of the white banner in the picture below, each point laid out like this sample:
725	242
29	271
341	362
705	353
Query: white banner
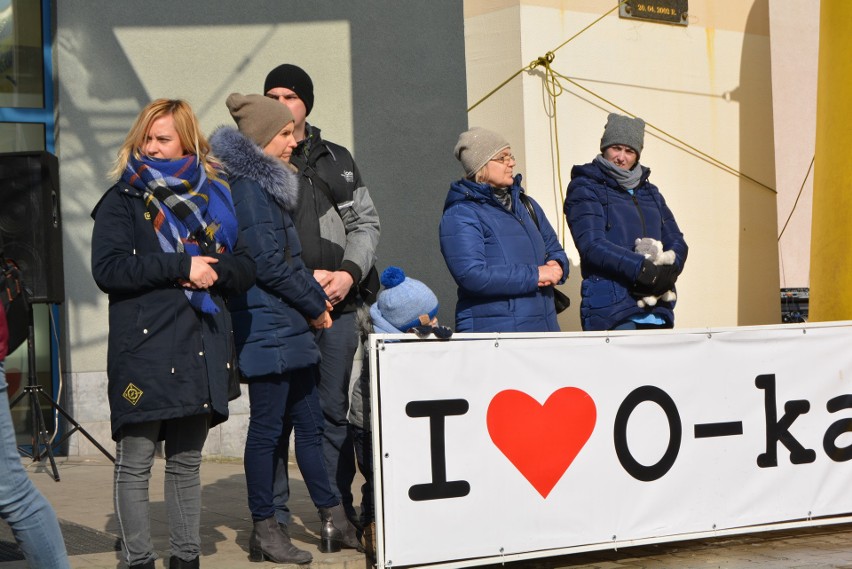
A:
491	446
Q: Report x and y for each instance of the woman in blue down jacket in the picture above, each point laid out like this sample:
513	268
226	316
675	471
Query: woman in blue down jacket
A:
277	352
504	265
165	249
610	204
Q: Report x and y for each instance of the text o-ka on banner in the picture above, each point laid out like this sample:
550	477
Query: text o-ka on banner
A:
492	446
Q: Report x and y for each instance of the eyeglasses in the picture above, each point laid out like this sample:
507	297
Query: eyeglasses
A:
440	332
505	159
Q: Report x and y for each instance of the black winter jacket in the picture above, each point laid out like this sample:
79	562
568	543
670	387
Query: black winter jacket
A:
165	360
330	240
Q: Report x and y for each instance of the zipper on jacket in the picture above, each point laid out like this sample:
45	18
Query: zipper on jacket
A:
641	215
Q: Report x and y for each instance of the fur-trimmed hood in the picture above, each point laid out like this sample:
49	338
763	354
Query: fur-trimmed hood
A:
242	158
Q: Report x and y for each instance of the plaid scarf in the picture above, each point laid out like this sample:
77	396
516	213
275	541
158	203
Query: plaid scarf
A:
191	213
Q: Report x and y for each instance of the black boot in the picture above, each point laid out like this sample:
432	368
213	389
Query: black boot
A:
269	542
337	531
146	565
176	562
368	540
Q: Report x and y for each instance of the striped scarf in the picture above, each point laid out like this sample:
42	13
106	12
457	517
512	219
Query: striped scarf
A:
191	213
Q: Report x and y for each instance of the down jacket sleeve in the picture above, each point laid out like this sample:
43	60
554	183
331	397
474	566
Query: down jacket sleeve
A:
554	249
274	273
476	258
672	237
584	211
362	231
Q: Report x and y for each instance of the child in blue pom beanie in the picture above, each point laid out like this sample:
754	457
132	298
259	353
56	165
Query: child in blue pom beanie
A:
403	305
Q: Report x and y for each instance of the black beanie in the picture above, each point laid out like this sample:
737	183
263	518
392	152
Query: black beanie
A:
294	78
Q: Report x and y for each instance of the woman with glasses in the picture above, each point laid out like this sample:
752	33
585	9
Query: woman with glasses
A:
497	243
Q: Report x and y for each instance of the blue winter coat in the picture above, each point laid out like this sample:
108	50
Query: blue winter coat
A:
270	320
494	255
605	221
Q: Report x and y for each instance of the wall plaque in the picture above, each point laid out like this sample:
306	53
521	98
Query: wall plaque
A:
665	11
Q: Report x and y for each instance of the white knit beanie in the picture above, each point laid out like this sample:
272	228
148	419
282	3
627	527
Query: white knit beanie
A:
476	147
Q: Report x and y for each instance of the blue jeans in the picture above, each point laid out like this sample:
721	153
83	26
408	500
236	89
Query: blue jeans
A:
337	345
22	506
276	400
134	457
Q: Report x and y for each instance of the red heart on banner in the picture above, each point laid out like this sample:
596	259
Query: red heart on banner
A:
541	440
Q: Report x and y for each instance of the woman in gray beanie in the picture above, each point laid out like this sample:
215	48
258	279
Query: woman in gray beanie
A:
613	211
276	350
497	243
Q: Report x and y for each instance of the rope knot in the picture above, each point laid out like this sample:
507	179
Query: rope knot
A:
543	61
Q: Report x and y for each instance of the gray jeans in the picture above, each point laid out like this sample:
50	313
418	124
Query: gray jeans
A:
134	458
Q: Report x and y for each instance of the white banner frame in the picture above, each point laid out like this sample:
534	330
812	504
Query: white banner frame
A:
403	367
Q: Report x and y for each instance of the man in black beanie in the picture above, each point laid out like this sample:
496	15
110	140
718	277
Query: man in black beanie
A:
339	230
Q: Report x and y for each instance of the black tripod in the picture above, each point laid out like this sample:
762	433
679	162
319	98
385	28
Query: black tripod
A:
41	445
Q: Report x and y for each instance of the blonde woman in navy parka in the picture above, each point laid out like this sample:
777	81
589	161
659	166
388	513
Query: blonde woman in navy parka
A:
505	266
165	248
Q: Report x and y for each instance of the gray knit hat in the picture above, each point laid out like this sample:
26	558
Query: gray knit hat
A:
259	118
621	129
476	147
405	302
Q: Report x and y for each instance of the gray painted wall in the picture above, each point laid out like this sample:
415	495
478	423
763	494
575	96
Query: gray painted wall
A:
389	83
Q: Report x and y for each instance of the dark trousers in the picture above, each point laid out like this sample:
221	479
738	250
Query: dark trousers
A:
276	401
337	345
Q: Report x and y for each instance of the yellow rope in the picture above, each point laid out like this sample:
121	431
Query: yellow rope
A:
532	65
554	89
497	88
796	203
711	159
604	15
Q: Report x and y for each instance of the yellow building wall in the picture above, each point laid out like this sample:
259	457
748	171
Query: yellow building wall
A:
831	271
706	84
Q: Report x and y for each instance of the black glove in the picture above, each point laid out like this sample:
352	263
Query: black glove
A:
666	277
654	280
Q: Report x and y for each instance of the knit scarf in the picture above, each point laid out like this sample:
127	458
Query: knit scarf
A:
627	179
191	213
504	196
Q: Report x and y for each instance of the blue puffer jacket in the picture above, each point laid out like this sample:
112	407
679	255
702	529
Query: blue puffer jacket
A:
494	255
270	326
605	221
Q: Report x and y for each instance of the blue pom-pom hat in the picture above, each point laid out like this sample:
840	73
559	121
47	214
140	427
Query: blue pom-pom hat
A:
405	302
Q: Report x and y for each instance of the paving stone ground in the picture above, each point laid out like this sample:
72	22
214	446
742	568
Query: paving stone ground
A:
83	502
